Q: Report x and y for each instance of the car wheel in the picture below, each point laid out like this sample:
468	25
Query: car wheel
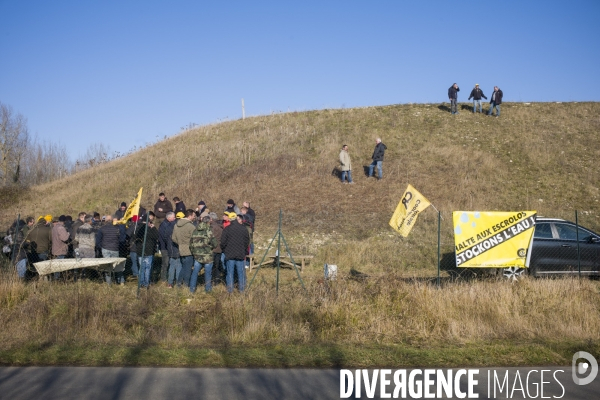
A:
514	273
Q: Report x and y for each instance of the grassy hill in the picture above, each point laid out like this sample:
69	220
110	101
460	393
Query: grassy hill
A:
536	156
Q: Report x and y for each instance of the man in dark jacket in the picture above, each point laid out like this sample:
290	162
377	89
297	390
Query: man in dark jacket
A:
377	157
453	97
120	213
495	101
234	242
161	208
165	244
19	246
146	249
476	95
110	238
179	205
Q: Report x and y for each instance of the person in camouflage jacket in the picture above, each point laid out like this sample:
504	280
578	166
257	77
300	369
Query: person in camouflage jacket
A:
202	244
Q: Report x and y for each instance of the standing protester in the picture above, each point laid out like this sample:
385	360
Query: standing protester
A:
109	240
250	211
495	101
182	235
145	251
120	213
453	97
76	224
20	246
60	238
217	230
29	221
377	157
476	95
85	239
232	207
131	234
202	244
40	238
161	208
346	165
165	231
234	242
201	211
179	205
173	250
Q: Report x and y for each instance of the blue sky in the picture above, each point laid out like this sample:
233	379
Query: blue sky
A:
125	72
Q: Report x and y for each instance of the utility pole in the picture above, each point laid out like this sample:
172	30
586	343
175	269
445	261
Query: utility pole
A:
243	110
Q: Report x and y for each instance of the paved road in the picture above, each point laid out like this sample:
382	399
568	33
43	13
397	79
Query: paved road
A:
201	383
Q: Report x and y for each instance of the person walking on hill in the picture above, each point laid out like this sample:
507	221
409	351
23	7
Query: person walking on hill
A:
346	165
495	101
161	208
476	95
377	157
234	242
453	97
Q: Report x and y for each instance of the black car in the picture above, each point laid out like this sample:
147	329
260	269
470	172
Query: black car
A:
561	247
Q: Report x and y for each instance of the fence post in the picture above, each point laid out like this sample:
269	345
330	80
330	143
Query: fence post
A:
578	250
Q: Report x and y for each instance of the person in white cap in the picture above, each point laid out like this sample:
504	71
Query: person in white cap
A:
477	94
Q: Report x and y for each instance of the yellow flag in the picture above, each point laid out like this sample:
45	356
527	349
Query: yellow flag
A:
133	209
408	210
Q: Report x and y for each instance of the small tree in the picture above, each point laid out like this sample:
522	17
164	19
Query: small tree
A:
14	139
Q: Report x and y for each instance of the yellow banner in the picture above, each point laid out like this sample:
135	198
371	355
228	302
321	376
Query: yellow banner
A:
493	239
133	209
408	210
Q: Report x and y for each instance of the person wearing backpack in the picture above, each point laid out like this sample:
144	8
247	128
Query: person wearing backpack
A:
202	244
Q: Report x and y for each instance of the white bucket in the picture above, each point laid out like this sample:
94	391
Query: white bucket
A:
330	271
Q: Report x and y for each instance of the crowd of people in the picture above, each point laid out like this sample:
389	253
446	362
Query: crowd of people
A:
188	241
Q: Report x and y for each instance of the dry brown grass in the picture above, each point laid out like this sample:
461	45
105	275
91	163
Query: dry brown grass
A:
380	311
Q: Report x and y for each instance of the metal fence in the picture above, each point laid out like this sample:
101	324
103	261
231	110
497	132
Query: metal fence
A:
567	245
